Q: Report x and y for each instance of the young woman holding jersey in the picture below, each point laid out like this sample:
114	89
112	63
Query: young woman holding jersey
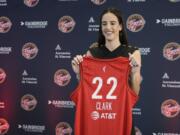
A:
112	43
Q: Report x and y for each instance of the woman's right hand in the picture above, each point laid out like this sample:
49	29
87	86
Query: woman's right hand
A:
75	63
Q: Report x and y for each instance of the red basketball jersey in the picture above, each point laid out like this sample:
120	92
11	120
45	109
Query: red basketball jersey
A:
103	98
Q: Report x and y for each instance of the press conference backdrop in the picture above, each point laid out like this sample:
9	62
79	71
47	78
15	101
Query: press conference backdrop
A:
38	39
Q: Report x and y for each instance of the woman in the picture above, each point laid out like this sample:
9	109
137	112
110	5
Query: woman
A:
112	43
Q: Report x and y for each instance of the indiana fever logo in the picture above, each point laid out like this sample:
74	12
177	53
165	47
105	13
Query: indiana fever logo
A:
171	51
4	126
28	102
66	24
98	2
31	3
2	75
174	1
62	77
63	128
137	131
29	51
5	24
135	23
170	108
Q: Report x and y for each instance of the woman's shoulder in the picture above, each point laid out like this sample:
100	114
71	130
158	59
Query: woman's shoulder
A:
95	50
130	48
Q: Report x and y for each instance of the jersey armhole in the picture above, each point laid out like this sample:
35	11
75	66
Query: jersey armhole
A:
75	93
130	90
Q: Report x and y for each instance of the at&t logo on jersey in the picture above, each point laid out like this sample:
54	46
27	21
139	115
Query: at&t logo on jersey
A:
95	115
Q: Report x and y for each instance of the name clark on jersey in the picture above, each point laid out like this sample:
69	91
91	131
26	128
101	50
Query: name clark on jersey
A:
103	106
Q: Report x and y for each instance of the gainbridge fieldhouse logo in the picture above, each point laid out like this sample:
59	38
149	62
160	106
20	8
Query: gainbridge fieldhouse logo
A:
4	126
170	108
171	51
66	24
135	23
63	128
5	24
28	102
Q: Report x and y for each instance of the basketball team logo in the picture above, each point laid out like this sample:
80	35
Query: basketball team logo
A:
4	126
31	3
170	108
174	1
95	115
2	75
66	24
63	128
171	51
98	2
29	50
135	23
28	102
5	24
62	77
137	131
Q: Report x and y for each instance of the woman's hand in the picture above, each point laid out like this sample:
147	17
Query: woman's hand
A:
135	75
75	63
135	63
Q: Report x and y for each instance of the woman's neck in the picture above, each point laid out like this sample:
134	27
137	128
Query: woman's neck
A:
112	45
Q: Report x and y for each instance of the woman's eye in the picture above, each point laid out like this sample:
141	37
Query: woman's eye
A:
113	23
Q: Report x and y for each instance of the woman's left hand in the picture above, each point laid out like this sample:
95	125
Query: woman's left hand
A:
134	63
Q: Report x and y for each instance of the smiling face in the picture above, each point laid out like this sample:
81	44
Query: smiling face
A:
110	27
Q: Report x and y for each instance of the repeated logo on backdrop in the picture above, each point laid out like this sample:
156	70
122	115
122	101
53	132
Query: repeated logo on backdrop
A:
5	24
170	108
31	3
171	51
135	23
2	75
28	102
66	24
137	131
62	77
29	50
98	2
4	126
63	128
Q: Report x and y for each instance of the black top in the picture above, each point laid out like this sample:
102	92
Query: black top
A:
103	53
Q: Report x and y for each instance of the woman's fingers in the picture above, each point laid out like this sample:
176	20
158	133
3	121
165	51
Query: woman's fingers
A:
77	59
132	60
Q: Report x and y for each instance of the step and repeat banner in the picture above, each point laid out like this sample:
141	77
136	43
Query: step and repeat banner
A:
38	39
